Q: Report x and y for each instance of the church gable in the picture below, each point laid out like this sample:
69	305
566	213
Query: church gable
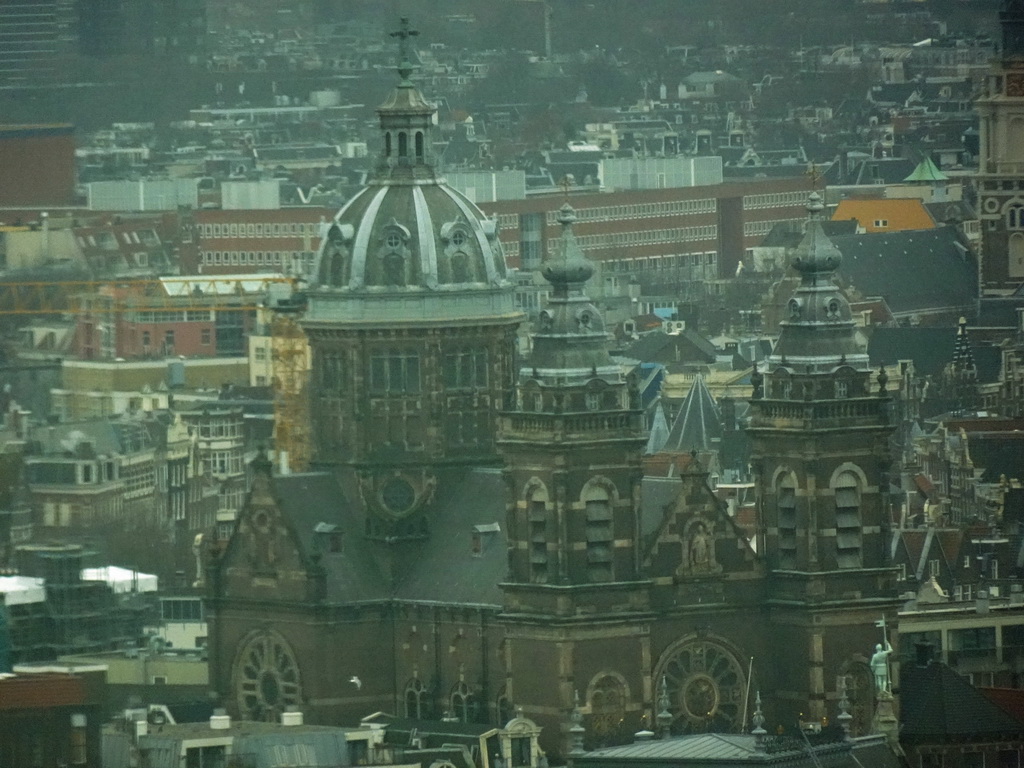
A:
265	557
695	539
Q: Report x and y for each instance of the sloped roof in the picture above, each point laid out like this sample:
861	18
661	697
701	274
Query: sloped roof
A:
938	704
913	270
445	567
656	346
698	423
926	170
659	431
898	213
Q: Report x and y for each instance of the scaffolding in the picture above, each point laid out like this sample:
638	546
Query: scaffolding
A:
290	359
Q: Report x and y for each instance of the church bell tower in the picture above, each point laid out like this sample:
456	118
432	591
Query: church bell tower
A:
1001	161
820	430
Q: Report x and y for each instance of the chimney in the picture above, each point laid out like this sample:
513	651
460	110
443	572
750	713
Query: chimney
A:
1016	594
291	716
981	603
220	720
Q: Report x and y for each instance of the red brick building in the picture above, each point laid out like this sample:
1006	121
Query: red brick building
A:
38	164
49	720
231	242
689	232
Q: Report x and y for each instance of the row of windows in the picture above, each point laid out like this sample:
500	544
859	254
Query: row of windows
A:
223	462
774	200
848	522
670	261
259	230
640	210
255	257
220	429
647	237
758	228
175	316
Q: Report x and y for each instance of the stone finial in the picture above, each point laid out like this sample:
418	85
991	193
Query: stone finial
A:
576	730
883	379
758	732
844	717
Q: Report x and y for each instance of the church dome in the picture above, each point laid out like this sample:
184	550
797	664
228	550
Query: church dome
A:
407	233
395	237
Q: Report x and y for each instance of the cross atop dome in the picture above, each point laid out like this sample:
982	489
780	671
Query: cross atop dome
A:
404	33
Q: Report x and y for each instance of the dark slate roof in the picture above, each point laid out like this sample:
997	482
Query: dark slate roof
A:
698	423
881	170
931	349
938	704
309	499
655	347
788	234
442	567
915	270
445	567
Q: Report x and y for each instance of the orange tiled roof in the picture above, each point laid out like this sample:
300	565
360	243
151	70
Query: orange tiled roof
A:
884	214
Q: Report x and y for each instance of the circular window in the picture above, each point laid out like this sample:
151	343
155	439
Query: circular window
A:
398	495
458	238
393	240
705	687
266	677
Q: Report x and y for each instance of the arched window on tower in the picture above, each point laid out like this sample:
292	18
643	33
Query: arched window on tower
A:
416	705
537	514
848	536
598	509
387	144
786	502
463	703
419	145
403	144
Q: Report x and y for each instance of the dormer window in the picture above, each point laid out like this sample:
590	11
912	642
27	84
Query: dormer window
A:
458	238
393	240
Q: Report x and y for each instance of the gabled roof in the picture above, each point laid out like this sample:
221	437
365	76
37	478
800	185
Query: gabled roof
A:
938	704
698	423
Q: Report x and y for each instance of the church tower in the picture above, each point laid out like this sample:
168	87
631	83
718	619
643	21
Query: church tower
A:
572	446
1001	161
412	326
820	430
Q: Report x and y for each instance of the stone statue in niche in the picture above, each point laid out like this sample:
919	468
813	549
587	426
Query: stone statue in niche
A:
699	548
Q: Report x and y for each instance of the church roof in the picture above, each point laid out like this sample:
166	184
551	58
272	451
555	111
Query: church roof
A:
698	423
461	561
